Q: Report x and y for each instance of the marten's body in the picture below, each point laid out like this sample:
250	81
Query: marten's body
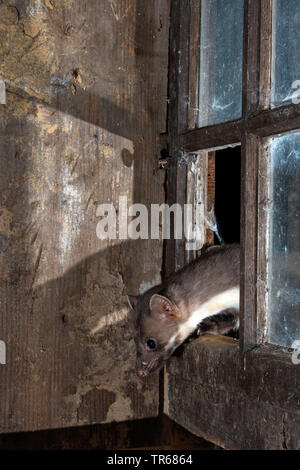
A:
168	314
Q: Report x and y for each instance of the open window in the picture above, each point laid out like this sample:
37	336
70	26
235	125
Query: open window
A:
234	91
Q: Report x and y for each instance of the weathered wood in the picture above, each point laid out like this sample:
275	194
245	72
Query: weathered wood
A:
197	171
265	54
265	123
275	121
177	121
211	183
211	137
251	60
179	66
86	102
263	219
248	322
153	433
176	194
235	403
194	64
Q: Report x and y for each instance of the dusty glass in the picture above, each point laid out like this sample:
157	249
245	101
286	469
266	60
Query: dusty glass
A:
286	52
221	61
284	241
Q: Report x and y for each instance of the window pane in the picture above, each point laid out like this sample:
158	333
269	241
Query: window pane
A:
284	241
286	51
221	59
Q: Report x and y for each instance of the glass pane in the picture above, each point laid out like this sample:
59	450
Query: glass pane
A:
286	52
284	241
221	61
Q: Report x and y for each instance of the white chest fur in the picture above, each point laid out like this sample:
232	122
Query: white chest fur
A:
225	300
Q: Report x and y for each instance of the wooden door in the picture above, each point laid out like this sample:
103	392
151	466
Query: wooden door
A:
86	93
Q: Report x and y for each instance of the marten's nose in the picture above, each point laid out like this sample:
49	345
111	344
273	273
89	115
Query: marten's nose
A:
142	372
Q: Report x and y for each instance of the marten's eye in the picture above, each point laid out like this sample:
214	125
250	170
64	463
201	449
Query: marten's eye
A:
151	344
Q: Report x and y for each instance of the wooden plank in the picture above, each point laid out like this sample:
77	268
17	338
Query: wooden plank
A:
110	436
176	194
211	183
177	121
234	403
263	226
251	63
194	64
179	67
248	322
145	434
191	190
275	121
211	137
266	123
197	173
86	102
265	54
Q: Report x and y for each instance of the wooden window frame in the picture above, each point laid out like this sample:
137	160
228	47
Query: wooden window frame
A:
257	123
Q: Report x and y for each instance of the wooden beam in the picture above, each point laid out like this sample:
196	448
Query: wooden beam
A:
265	54
251	61
275	121
248	226
235	404
177	121
194	63
211	137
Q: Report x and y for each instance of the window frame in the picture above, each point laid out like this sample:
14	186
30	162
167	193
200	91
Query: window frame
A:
258	122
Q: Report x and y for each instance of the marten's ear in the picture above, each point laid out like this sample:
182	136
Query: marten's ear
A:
132	301
164	307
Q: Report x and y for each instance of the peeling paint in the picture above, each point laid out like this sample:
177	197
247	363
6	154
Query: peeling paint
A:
72	216
107	151
44	118
6	218
120	410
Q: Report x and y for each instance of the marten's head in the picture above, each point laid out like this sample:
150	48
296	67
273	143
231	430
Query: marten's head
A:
157	321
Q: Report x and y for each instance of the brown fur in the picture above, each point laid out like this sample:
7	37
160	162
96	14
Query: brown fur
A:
172	303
